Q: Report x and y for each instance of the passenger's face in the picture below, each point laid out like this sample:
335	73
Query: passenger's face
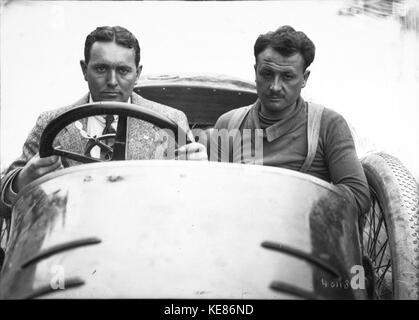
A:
279	80
111	72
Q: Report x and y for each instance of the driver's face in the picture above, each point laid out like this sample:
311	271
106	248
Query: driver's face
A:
279	80
111	72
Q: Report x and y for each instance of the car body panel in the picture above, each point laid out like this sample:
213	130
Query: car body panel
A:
180	229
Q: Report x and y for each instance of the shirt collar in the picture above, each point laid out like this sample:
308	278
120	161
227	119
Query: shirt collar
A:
91	100
101	118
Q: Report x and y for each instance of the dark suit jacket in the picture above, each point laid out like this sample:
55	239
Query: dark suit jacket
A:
144	141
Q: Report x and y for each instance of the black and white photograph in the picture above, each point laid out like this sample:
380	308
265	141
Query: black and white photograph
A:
190	151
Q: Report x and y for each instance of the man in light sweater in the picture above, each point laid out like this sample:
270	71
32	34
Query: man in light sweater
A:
295	134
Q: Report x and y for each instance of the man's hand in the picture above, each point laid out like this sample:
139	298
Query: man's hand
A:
193	151
35	168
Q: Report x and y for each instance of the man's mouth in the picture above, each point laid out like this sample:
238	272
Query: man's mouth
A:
275	98
110	94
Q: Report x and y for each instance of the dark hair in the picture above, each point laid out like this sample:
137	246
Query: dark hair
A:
118	34
286	41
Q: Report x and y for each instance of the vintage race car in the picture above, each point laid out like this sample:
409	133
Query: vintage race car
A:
184	229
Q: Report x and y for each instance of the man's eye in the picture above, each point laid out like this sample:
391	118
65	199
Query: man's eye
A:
124	71
100	69
287	76
266	74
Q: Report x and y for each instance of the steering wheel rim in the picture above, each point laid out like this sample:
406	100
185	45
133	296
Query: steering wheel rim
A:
100	108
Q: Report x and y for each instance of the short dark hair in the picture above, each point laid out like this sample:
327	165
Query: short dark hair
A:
118	34
286	41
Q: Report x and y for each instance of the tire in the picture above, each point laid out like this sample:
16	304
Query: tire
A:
394	194
4	235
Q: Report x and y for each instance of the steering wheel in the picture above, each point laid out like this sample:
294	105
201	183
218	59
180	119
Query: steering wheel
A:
123	110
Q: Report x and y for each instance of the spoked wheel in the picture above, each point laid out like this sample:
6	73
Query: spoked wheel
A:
390	230
376	247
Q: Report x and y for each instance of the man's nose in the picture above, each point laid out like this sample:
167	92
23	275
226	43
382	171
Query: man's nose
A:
276	84
112	81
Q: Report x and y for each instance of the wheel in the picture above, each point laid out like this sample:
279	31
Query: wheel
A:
390	230
123	110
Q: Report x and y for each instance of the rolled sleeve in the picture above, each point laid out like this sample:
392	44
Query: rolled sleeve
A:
345	168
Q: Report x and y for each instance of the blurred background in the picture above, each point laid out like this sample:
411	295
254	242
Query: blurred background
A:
366	65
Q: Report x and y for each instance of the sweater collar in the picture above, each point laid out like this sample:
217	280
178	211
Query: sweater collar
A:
283	125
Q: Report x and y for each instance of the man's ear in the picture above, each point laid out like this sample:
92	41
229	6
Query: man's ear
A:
255	67
306	75
83	66
139	69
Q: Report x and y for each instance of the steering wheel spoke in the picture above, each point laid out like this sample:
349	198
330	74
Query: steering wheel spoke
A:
75	156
